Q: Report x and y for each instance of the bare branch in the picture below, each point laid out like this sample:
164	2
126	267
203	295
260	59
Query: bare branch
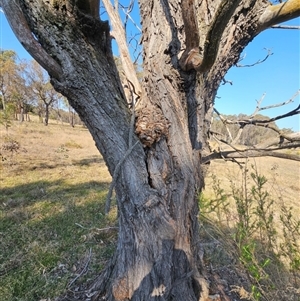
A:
282	141
276	105
259	61
22	31
285	27
257	109
269	147
224	121
230	155
279	13
266	121
261	122
128	16
84	269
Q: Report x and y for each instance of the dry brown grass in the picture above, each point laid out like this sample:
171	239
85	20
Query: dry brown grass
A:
52	198
56	181
54	151
268	243
283	178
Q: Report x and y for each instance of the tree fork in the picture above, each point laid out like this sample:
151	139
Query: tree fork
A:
157	250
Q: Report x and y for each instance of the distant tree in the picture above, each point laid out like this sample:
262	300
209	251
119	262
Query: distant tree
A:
8	71
156	148
21	95
41	90
13	87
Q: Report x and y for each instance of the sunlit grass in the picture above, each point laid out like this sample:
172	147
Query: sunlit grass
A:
51	205
52	199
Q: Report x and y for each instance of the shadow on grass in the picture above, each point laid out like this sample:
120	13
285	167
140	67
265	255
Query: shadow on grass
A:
54	191
46	231
48	227
41	165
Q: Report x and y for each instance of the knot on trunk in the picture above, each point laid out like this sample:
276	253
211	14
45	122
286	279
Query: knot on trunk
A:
120	290
191	60
151	125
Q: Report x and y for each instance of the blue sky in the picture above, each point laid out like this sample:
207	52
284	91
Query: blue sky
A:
278	77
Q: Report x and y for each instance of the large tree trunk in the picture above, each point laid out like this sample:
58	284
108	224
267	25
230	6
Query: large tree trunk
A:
157	187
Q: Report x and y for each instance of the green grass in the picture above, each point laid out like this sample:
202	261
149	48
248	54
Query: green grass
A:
52	199
51	213
42	239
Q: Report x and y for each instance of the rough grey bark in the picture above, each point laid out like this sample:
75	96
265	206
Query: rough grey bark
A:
158	243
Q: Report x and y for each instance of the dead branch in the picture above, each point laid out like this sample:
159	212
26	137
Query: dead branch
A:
120	36
275	105
283	141
257	109
97	229
259	122
127	12
224	121
266	121
231	155
267	148
258	62
285	27
84	270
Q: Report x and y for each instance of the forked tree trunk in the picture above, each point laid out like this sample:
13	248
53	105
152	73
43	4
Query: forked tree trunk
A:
158	243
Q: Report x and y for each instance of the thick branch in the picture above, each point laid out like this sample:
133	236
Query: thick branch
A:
285	27
230	155
260	122
22	31
283	141
191	58
93	8
214	35
279	13
119	35
268	148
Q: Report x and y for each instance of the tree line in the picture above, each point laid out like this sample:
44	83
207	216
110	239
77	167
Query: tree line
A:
25	88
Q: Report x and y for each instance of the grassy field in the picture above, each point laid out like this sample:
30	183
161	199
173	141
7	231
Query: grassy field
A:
283	177
52	195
